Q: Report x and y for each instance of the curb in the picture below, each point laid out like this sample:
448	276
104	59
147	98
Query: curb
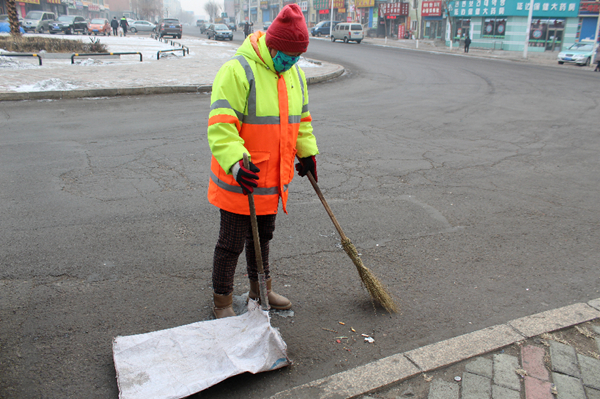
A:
392	369
135	91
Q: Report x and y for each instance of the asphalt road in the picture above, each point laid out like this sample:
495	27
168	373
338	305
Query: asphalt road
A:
469	186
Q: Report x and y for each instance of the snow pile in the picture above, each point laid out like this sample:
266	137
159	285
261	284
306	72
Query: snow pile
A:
53	84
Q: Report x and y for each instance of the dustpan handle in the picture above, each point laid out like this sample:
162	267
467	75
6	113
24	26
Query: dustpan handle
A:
253	222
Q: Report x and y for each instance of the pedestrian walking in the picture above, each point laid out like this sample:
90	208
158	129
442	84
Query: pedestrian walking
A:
467	43
114	24
264	72
248	28
124	25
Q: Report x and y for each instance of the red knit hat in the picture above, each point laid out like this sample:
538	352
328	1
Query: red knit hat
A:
288	31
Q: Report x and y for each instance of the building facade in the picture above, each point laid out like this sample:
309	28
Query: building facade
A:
502	24
87	9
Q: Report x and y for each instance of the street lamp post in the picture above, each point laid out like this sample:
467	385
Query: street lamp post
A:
528	30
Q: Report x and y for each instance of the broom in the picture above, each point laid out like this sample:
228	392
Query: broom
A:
376	289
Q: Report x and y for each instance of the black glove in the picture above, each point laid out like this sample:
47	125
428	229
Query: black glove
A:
308	164
245	178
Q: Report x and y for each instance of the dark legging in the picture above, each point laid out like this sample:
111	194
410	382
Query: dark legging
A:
235	233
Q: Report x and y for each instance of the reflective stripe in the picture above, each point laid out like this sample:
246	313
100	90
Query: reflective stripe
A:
225	104
305	108
252	118
252	84
238	189
301	84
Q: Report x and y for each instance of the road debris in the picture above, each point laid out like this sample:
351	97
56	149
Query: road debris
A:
457	378
521	372
342	323
369	340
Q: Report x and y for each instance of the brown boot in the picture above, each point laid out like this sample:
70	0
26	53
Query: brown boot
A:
223	305
276	301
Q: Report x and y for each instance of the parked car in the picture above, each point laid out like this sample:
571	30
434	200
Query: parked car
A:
68	24
348	32
100	26
169	27
578	53
266	25
141	26
322	28
4	18
37	21
219	32
5	27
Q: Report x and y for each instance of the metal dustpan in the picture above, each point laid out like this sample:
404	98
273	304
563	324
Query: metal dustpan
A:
181	361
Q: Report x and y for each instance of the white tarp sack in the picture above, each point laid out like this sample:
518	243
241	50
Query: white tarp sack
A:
181	361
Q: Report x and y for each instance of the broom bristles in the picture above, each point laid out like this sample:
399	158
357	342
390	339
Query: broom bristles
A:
376	289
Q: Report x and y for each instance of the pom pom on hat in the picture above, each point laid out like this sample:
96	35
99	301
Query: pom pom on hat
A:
288	32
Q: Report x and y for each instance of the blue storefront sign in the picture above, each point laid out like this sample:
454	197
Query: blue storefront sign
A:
488	8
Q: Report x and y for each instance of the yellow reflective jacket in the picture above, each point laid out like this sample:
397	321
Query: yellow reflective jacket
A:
264	114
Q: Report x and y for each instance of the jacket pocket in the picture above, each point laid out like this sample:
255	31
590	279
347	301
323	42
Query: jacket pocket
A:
261	160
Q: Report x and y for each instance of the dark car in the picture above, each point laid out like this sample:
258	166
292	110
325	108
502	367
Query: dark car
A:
266	26
322	28
203	26
232	26
68	24
169	27
219	32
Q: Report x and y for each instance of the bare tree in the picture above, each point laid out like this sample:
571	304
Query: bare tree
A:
13	19
212	9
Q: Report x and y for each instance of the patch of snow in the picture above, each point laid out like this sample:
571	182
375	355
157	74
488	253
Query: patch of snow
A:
53	84
89	61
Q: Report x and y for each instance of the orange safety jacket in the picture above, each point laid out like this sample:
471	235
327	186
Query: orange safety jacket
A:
265	114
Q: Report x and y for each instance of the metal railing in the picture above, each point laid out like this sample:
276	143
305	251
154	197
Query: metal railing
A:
170	51
23	55
100	54
172	43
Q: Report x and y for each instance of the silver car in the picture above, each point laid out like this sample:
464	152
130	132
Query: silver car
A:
37	21
141	26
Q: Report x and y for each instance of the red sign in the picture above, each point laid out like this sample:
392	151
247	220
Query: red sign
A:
400	31
323	11
589	7
431	9
393	9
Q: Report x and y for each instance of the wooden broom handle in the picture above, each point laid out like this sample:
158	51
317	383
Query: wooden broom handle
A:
253	222
327	208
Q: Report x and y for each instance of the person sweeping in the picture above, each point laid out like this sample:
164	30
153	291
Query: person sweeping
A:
259	106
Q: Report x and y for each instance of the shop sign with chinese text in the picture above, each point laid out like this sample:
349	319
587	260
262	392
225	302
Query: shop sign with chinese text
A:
393	9
589	7
486	8
431	9
364	3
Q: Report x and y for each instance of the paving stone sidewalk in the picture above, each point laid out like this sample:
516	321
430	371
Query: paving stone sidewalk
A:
549	355
559	365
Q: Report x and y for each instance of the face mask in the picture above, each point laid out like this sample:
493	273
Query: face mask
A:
283	62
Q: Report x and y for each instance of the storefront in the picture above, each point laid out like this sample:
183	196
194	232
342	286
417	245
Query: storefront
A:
588	21
393	18
432	23
502	24
364	12
323	8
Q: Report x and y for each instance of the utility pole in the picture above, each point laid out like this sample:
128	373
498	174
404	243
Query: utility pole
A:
528	30
331	20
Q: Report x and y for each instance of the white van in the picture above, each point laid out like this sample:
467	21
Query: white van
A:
348	32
